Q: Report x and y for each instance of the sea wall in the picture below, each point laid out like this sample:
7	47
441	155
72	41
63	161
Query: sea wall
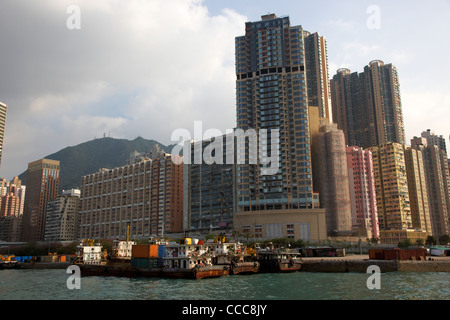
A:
347	265
384	265
424	266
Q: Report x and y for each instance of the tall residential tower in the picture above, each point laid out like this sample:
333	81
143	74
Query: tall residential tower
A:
3	108
367	106
281	70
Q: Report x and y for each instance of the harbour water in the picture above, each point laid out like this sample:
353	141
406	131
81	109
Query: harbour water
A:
51	284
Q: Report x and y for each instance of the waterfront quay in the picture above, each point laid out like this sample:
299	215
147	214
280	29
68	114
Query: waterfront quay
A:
360	263
350	263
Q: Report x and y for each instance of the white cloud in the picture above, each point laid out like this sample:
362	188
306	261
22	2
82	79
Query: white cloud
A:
134	68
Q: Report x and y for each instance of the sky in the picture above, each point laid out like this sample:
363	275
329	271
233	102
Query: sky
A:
76	70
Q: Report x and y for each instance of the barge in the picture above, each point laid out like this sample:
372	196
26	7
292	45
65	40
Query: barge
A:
189	259
121	270
276	260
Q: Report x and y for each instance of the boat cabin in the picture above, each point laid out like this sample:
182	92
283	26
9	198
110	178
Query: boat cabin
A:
90	253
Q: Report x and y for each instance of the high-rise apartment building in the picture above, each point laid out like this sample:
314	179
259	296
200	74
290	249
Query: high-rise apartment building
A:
316	61
434	139
367	106
362	191
273	91
62	217
435	163
12	197
417	187
209	193
391	184
145	195
167	195
393	200
42	186
333	180
280	71
3	108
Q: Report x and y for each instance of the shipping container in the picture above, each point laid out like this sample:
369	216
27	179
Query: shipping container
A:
397	254
62	258
146	263
161	251
145	251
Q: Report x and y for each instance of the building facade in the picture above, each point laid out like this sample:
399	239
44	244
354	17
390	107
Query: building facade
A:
434	139
437	180
393	202
417	188
42	186
12	197
62	217
210	191
362	191
272	94
145	195
3	109
367	106
333	180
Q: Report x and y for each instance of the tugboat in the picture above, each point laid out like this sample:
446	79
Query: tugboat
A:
276	260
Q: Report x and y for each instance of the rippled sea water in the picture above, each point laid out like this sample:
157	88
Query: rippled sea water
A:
52	285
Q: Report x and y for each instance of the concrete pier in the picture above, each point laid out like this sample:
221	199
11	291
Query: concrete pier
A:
351	263
360	263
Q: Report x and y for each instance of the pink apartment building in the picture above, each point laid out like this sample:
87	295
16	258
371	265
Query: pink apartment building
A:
362	191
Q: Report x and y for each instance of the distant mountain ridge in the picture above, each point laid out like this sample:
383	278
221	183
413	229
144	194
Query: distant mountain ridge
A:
88	157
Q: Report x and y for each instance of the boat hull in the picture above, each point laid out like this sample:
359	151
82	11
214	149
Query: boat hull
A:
9	265
245	268
133	272
274	266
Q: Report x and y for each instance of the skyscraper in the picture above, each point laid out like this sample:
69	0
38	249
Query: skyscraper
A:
434	139
209	193
316	60
3	108
42	186
391	182
367	106
362	191
280	69
62	220
417	187
333	180
437	179
393	195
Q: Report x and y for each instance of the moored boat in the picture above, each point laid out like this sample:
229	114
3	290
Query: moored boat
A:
8	262
276	260
245	267
189	259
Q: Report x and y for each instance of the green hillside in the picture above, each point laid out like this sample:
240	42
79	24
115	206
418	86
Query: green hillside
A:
89	157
